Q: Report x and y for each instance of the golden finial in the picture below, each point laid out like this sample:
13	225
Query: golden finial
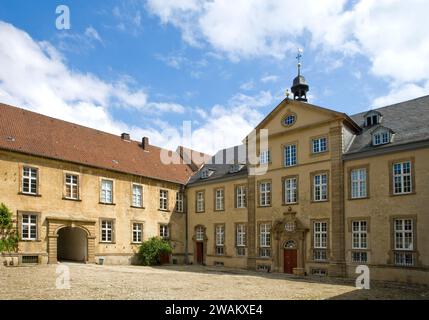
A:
287	93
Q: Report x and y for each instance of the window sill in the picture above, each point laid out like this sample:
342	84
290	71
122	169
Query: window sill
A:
290	204
162	210
320	201
70	199
402	194
107	204
135	207
219	210
136	243
355	199
101	242
29	194
264	206
30	241
322	153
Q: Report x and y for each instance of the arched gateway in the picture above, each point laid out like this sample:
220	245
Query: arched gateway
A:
71	240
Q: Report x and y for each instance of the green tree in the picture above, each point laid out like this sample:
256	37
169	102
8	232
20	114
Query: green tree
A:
151	250
8	236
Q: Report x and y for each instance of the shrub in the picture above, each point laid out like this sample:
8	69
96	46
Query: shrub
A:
8	235
151	250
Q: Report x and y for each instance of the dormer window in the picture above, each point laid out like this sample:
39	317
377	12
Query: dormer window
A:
206	173
236	168
372	118
381	136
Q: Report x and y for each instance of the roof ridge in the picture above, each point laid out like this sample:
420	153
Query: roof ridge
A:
391	105
76	124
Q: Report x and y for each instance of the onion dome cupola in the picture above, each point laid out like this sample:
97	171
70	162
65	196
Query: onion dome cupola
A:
300	86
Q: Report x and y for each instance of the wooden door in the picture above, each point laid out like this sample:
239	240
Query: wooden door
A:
164	258
290	260
200	252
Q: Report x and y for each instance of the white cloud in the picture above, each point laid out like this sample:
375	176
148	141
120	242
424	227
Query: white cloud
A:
402	93
35	76
269	78
249	85
91	32
391	34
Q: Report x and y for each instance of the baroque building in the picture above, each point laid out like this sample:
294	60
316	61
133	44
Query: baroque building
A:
329	192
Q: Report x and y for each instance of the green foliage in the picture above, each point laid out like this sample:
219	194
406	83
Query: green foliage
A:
8	236
151	250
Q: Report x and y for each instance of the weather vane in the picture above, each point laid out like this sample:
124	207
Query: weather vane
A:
299	57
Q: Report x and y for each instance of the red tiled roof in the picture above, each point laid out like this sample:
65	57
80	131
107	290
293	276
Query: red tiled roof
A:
32	133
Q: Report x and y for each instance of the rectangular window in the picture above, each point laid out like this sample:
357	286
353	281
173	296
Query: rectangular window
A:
106	195
319	255
200	234
265	157
200	201
320	145
164	231
220	239
358	183
402	179
265	240
163	200
29	227
291	190
179	202
137	196
290	155
359	257
219	199
137	232
359	235
241	251
320	235
72	186
241	235
106	230
403	234
29	180
320	187
265	194
240	192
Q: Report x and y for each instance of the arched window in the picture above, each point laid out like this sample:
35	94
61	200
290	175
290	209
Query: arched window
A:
291	244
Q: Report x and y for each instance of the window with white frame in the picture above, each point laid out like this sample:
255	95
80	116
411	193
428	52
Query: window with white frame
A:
72	186
241	235
179	202
320	185
137	232
359	234
137	196
29	180
320	145
29	227
219	199
291	190
163	200
402	178
106	195
200	233
265	240
381	137
240	193
289	120
265	157
106	231
164	231
404	242
200	201
320	234
220	239
290	155
358	183
265	194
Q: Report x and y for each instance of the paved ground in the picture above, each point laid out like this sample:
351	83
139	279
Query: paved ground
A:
180	282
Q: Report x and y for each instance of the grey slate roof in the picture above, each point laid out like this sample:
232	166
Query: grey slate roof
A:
220	172
409	121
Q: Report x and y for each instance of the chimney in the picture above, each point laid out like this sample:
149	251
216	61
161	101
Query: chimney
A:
145	143
126	137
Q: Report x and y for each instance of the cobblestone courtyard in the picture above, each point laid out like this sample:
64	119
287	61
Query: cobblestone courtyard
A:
180	282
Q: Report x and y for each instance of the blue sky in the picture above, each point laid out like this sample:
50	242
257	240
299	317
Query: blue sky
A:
147	66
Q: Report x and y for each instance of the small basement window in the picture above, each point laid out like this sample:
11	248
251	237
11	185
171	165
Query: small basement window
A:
263	268
319	272
219	264
30	259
